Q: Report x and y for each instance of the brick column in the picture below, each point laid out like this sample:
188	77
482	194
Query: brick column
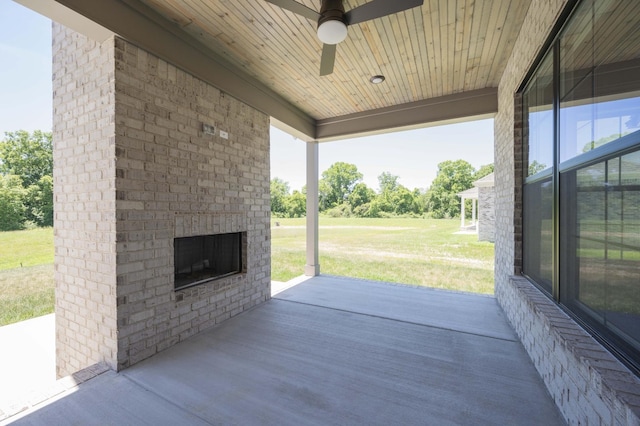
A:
84	201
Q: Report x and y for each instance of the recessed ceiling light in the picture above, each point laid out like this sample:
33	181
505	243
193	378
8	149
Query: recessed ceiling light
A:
377	79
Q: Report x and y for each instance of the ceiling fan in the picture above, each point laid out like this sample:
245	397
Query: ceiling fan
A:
333	21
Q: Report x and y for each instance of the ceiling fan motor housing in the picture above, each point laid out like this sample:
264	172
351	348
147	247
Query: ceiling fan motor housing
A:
331	10
332	28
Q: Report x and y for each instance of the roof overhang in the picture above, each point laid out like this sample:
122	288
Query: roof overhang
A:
147	29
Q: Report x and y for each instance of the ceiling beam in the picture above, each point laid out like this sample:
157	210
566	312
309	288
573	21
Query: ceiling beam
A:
459	107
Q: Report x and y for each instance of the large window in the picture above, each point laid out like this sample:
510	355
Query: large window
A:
581	230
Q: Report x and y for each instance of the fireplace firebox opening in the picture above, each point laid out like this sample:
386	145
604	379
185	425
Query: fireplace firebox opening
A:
204	258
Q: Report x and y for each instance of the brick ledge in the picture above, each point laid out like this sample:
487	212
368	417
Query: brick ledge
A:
584	379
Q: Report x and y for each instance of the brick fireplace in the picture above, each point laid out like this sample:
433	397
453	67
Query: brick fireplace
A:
140	162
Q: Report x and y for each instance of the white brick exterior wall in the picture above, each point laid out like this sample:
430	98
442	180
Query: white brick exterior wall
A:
486	214
587	383
84	199
155	176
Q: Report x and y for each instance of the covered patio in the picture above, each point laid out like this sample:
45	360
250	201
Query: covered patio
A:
161	126
329	350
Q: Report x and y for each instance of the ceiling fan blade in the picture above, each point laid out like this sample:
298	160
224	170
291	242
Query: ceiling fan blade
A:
378	8
328	59
296	7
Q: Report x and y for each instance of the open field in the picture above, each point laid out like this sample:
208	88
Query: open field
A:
410	251
26	293
26	248
26	274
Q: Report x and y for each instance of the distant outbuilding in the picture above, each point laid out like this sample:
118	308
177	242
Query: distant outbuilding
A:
483	216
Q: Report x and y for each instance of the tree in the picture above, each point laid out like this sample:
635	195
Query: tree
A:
360	195
337	183
388	182
12	210
405	202
29	156
38	202
296	204
394	198
602	141
452	177
279	193
536	167
360	200
384	202
483	171
26	169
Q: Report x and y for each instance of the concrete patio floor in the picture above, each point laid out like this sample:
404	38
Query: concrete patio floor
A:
327	351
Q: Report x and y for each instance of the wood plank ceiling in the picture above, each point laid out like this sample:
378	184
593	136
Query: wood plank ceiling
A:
442	48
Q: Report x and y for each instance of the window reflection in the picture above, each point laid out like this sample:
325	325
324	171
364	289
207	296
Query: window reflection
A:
538	232
604	243
599	76
538	98
587	127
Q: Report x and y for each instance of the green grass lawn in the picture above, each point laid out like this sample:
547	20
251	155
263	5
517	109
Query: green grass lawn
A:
26	274
26	293
26	248
410	251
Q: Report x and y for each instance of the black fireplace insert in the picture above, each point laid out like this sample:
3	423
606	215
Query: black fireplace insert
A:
207	257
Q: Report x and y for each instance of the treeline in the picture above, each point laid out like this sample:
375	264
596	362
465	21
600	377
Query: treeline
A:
343	194
26	188
26	180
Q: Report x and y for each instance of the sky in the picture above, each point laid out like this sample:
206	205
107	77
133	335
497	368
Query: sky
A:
413	156
25	69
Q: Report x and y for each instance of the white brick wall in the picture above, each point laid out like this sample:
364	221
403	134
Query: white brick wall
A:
587	383
486	214
84	199
133	171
